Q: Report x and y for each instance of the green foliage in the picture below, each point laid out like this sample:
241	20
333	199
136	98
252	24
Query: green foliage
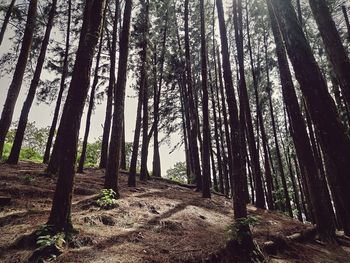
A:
107	199
234	232
47	237
28	178
178	173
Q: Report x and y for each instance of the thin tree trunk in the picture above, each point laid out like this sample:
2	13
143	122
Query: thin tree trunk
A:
15	86
109	106
238	23
60	216
145	87
192	108
113	163
6	20
22	123
92	98
346	20
62	87
123	151
156	156
205	108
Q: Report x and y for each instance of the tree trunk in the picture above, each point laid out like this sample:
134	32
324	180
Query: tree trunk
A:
274	129
135	145
228	177
15	86
109	106
123	153
239	204
268	175
335	50
62	87
6	20
260	198
192	107
156	156
205	108
92	98
22	123
315	92
145	87
60	216
346	20
113	164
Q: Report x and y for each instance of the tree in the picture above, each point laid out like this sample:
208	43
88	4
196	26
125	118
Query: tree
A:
16	148
191	104
6	20
60	216
15	86
205	108
333	45
109	106
62	87
334	139
92	97
113	163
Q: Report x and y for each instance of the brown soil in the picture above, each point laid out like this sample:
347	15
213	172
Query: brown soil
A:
154	222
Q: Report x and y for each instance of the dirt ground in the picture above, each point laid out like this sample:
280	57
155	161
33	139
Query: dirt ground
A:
154	222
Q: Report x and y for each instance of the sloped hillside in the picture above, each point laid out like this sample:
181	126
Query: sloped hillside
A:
155	222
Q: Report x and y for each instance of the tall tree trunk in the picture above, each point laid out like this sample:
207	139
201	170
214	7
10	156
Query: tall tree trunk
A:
268	175
22	123
123	150
145	87
239	204
238	23
62	87
109	106
92	98
192	107
156	156
346	20
335	50
135	145
6	20
229	176
68	132
205	108
113	164
274	129
15	86
322	110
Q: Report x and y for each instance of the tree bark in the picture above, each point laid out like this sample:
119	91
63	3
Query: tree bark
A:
6	20
321	107
238	24
346	20
192	107
92	98
22	123
109	106
15	86
335	50
60	216
113	164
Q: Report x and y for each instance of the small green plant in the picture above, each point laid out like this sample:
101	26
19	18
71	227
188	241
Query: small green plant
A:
48	240
234	229
107	199
28	178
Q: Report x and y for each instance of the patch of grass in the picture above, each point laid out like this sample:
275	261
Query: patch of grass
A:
233	229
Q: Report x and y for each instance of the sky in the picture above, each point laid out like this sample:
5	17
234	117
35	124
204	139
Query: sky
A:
42	115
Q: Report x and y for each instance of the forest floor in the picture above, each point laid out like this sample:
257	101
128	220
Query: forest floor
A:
155	222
